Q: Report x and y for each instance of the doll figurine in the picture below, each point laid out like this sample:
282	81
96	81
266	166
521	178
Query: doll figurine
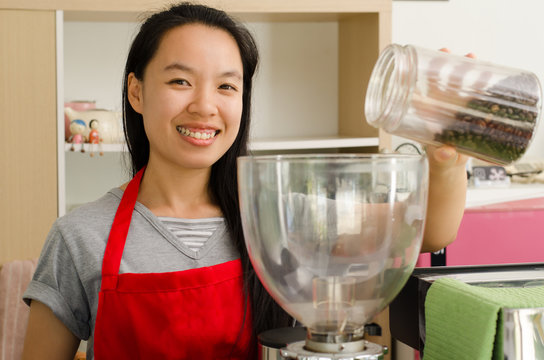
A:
94	137
77	128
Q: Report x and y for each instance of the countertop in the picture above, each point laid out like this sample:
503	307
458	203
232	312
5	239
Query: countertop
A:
511	197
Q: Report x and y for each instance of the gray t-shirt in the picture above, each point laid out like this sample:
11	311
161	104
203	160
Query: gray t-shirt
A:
68	275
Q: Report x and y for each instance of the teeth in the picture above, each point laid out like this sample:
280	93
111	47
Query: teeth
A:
196	135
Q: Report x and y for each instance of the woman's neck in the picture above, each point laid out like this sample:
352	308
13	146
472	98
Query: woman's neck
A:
176	192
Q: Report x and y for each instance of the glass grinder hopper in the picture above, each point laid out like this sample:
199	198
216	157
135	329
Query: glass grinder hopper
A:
333	238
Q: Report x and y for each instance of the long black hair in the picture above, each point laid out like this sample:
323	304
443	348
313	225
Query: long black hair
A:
223	183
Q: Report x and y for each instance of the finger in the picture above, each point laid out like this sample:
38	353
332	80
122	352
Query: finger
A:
457	77
435	66
445	156
445	88
442	97
434	88
483	79
481	83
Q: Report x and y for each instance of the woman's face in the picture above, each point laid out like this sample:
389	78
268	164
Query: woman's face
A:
190	96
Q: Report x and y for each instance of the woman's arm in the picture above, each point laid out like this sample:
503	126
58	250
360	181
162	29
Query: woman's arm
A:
447	194
46	336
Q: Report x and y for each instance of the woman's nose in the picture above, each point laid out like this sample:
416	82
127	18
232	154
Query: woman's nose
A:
203	103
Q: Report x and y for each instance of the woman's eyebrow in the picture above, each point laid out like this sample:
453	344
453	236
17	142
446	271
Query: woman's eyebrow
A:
232	73
178	66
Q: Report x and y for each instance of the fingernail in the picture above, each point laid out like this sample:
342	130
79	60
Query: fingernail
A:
445	153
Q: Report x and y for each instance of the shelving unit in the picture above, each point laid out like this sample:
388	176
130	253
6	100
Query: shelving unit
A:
310	99
115	148
316	59
264	144
312	143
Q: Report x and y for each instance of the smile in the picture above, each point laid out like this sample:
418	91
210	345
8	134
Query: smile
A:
203	135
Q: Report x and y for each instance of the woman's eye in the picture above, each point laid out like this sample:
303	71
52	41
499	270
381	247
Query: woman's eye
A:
227	87
179	82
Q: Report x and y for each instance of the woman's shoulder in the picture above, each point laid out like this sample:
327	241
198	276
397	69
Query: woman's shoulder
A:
81	235
97	213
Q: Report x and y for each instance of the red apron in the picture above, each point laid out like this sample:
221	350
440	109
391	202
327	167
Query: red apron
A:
192	314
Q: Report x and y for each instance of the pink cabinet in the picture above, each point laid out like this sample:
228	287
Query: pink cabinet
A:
507	232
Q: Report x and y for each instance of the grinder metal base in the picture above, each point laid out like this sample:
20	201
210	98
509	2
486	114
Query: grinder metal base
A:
292	343
297	351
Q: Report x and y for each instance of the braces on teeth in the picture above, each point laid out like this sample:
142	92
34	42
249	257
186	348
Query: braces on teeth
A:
196	135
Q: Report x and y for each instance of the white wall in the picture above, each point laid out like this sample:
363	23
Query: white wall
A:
295	90
296	84
93	70
507	32
94	61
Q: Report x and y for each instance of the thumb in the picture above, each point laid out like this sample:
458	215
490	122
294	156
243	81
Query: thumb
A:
443	156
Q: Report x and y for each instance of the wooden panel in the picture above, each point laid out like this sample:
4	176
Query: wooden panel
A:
28	185
385	26
358	47
243	6
361	39
246	16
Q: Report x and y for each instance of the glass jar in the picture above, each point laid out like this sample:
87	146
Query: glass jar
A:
484	110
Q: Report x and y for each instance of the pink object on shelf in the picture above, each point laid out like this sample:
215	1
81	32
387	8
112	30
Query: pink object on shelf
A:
78	106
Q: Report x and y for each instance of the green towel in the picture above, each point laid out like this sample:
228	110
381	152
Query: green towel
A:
465	322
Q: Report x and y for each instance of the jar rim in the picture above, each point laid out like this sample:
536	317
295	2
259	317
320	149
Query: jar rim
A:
390	86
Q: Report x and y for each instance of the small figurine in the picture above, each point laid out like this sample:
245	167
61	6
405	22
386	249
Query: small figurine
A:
77	128
94	137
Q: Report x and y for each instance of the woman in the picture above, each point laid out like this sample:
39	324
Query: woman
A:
130	285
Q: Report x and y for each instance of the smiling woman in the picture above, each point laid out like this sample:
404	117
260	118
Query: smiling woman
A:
116	273
187	96
193	84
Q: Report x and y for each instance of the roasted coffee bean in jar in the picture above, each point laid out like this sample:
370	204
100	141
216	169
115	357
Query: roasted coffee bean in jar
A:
484	110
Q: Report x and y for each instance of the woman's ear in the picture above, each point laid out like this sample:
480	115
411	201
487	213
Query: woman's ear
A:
134	93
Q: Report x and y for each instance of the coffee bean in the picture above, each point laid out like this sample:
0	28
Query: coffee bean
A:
502	128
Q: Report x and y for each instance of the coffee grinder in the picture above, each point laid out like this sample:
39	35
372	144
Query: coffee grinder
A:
333	238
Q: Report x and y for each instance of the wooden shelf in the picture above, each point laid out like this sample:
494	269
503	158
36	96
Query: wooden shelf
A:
233	6
296	143
332	142
104	147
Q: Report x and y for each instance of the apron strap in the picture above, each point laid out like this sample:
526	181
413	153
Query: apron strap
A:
118	233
